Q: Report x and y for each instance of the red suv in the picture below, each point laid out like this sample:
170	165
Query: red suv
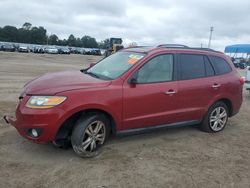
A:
133	90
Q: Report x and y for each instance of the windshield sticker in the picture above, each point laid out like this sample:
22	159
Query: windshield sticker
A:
134	58
132	61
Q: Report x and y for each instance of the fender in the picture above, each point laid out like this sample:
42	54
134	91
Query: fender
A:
80	108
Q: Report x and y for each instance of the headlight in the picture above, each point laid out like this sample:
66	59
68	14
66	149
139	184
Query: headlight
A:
44	101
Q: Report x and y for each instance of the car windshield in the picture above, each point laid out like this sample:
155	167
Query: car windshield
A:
115	65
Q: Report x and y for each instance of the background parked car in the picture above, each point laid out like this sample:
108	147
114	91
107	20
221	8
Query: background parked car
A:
31	48
77	50
242	64
38	49
82	51
96	51
239	62
73	50
8	48
51	50
23	49
88	51
63	50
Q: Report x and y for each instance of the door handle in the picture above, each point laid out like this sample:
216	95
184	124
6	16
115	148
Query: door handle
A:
170	92
215	86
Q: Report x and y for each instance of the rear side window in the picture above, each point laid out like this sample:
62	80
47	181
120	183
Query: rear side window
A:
221	65
192	66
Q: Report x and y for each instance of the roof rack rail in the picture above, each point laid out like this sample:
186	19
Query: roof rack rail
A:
181	46
173	46
138	47
206	49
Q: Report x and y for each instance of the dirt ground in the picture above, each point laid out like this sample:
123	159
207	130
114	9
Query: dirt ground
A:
175	157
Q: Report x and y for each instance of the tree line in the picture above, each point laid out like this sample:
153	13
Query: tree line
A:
38	35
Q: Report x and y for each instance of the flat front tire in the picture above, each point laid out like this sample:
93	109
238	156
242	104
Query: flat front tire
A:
89	135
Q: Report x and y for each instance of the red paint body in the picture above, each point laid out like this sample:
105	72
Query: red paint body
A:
131	106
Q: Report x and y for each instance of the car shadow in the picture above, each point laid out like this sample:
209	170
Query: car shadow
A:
114	147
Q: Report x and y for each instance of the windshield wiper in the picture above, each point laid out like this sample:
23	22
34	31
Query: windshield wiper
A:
92	74
84	70
99	76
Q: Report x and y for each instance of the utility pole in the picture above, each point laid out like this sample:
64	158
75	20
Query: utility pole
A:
210	37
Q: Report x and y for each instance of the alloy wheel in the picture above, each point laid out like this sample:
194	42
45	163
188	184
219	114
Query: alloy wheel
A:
94	136
218	119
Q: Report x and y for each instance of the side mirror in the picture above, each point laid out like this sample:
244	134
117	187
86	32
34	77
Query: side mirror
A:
132	81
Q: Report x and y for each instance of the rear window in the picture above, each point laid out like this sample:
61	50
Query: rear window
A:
192	66
221	65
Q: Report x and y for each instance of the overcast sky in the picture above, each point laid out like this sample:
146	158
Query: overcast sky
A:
148	22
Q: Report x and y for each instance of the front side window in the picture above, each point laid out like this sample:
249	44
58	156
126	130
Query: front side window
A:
158	69
115	65
192	66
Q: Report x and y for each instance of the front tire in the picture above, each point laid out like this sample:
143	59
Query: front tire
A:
89	135
216	118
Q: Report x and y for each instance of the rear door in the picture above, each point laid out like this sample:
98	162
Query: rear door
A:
152	100
196	82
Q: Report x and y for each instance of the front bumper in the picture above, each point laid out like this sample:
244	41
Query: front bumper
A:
24	130
46	121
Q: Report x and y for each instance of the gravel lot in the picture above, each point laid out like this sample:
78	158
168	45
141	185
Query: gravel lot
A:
175	157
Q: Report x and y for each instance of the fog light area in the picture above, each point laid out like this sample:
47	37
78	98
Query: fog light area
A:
34	132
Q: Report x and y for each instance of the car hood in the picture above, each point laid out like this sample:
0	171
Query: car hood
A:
52	83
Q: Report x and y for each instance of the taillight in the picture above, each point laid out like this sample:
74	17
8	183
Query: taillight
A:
242	80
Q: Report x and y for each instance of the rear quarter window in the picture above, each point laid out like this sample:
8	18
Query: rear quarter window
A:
221	65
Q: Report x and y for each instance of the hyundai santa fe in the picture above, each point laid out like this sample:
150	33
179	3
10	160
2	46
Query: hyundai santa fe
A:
133	90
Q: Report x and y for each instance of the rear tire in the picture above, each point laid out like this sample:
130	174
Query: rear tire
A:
216	118
89	135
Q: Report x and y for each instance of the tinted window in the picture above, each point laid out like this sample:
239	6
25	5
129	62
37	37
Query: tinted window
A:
220	65
191	66
158	69
209	68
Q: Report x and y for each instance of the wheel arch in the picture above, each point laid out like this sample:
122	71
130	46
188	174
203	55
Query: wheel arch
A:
228	103
66	127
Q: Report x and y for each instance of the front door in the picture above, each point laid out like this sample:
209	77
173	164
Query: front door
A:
152	100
